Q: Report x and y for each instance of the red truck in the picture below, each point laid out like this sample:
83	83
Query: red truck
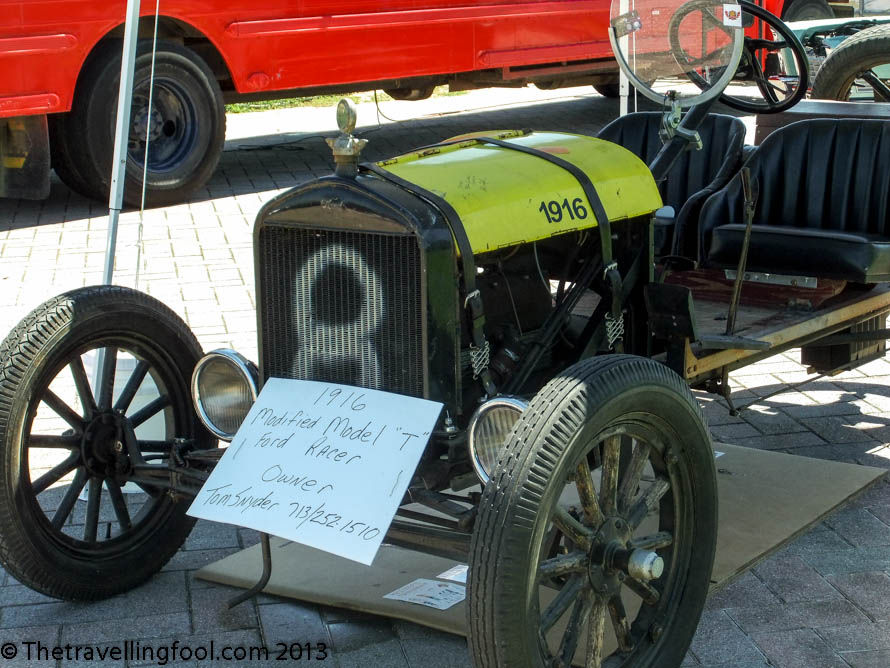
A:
60	65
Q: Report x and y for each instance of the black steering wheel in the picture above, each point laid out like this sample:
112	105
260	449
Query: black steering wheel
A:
773	73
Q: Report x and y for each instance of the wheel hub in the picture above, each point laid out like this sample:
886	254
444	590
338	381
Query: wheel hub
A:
612	560
154	123
101	447
611	538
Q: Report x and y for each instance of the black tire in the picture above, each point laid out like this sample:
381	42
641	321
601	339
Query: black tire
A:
63	161
855	57
613	90
806	10
410	94
124	538
188	122
610	90
579	422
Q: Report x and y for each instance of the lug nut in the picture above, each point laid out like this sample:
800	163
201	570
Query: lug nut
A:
655	632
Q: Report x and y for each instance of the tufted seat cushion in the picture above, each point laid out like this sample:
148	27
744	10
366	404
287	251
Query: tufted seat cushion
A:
695	175
823	204
861	258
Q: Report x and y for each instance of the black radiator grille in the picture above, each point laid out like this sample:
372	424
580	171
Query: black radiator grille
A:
342	307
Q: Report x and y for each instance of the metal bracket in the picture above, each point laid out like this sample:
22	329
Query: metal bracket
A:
670	127
264	578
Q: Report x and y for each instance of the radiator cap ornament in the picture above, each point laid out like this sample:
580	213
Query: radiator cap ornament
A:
346	148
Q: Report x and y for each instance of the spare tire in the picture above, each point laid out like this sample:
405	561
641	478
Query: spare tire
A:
856	59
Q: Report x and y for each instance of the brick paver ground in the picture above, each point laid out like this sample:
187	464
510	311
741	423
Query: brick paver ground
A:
824	601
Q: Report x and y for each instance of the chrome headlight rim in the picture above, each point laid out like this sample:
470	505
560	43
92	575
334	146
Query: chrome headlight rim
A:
505	401
246	368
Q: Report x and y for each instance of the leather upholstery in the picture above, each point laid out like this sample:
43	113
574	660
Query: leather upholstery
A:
823	204
861	258
695	175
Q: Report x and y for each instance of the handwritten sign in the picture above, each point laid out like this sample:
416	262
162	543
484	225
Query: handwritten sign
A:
320	464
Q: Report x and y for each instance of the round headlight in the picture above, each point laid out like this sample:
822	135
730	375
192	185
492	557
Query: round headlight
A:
224	387
488	431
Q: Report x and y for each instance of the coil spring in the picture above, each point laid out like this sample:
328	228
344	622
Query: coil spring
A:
614	329
479	358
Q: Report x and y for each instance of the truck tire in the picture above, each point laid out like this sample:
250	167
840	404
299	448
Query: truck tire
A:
410	94
854	57
187	123
49	539
63	159
807	10
610	90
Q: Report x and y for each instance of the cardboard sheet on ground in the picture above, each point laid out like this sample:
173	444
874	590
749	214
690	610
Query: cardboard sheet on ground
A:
766	500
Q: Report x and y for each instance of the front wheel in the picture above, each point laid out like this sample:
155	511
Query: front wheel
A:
807	10
596	535
77	518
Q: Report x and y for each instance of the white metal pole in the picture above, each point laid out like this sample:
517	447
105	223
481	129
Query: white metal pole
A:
119	161
623	83
121	135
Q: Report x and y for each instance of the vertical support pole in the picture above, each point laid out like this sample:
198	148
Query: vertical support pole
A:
623	83
119	161
121	135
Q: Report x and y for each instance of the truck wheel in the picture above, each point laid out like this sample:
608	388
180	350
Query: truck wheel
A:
807	10
596	534
860	65
60	441
186	127
611	90
410	94
62	158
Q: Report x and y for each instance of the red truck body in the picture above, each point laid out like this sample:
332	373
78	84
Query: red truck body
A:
284	45
277	48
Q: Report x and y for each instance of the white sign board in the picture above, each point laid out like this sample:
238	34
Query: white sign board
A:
320	464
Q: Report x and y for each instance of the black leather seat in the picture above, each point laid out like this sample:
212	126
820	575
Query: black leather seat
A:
823	204
695	176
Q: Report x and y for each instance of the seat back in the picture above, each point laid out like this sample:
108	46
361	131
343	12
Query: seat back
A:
695	175
825	174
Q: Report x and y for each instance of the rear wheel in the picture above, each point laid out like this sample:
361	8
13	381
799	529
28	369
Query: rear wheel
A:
63	159
611	89
858	70
185	126
596	535
411	94
76	522
807	10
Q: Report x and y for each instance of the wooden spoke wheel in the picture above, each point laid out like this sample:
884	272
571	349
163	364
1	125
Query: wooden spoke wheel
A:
596	534
77	518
